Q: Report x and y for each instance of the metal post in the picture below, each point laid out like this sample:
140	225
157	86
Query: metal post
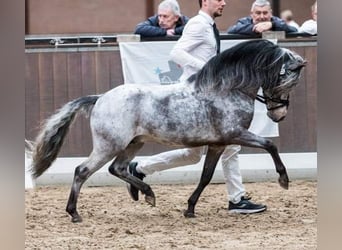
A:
276	7
149	10
27	30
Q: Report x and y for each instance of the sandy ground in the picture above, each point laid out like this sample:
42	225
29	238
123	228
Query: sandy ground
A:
111	220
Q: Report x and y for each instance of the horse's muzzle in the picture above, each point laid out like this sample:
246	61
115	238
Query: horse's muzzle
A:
277	115
280	119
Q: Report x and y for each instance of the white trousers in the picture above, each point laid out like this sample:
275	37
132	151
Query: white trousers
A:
189	156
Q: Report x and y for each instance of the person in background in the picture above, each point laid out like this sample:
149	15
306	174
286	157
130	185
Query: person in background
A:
168	21
287	16
195	47
310	26
260	20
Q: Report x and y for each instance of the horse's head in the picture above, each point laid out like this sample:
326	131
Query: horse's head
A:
250	65
277	97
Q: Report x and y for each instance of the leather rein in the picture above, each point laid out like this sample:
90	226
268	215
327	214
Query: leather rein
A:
265	99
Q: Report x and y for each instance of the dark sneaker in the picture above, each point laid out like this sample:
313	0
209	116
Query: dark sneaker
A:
245	206
132	169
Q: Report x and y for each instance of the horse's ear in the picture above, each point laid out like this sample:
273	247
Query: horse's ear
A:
297	65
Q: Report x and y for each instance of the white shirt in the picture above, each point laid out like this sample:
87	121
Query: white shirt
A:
293	24
196	45
309	26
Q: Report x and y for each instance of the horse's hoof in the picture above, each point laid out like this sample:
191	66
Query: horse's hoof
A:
284	182
76	219
188	214
150	200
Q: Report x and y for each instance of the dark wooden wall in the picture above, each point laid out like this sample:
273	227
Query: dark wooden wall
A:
300	128
117	16
55	76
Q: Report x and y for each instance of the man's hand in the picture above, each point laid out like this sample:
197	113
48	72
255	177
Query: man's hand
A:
262	26
170	32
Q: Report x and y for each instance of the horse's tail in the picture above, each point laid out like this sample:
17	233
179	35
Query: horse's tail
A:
50	138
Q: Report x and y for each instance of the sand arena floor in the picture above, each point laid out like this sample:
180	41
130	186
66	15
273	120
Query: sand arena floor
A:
111	220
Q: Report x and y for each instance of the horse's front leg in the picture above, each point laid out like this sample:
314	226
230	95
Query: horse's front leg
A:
213	155
251	140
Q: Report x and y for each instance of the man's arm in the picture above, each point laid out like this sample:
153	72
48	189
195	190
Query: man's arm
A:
191	38
280	25
244	26
150	28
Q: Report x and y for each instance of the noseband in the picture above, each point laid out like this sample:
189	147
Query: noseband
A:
266	99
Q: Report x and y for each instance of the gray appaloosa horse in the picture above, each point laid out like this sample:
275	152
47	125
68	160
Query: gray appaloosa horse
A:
214	108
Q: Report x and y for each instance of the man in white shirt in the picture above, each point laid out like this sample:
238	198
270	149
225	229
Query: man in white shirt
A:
310	26
287	16
194	48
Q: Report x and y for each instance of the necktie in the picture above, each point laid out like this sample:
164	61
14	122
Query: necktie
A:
217	37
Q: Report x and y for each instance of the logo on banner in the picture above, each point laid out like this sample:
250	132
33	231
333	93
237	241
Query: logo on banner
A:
169	77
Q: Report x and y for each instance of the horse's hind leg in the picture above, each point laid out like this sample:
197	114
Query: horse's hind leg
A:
249	139
82	173
119	169
213	155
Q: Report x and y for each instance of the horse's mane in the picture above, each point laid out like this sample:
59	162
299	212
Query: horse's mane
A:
248	65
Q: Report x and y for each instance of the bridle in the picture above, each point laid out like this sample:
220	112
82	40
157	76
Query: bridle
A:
266	99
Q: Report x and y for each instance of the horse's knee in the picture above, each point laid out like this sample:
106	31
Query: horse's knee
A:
270	146
112	170
117	170
81	172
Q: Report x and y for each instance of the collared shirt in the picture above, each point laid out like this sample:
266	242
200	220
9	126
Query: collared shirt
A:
196	46
293	24
309	26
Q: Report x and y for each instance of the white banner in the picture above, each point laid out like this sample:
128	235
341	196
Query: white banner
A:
150	63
